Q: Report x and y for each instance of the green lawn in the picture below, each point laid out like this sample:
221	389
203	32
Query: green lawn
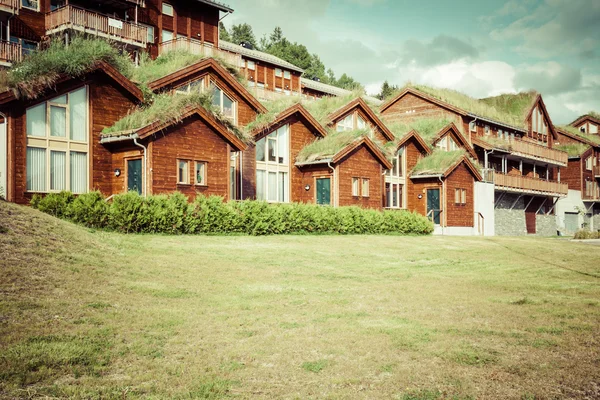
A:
93	314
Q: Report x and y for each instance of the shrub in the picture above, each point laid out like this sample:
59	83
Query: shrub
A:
586	234
172	214
55	204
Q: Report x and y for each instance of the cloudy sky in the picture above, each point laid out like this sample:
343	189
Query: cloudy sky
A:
481	48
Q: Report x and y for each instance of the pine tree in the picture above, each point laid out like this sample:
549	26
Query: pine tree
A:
242	33
223	33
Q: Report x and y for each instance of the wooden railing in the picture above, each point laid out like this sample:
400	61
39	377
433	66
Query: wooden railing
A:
10	52
70	17
536	150
265	94
199	48
10	6
525	183
487	175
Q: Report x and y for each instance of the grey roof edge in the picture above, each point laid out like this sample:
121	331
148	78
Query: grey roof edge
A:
118	138
426	176
220	6
315	162
334	90
258	55
493	121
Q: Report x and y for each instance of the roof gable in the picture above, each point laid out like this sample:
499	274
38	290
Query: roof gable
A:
368	143
417	138
423	96
295	110
585	118
360	104
539	102
201	113
102	67
208	65
455	133
470	166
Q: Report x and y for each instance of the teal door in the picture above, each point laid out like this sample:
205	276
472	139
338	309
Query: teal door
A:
433	205
324	191
134	176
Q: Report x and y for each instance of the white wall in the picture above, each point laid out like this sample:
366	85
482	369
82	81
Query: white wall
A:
484	204
572	203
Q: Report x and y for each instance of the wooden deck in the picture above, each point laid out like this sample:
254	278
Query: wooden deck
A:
519	183
10	6
539	152
199	48
10	53
82	20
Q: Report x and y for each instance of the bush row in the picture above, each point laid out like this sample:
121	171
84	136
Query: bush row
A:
173	214
586	234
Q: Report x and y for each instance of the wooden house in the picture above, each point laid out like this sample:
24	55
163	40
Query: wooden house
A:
515	149
53	141
581	208
588	123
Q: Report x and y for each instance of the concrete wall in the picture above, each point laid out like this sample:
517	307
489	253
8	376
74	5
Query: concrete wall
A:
484	204
570	204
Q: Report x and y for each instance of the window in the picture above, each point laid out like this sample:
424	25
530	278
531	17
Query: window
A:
57	144
167	9
460	196
251	65
273	166
224	103
183	176
278	72
27	46
395	180
191	87
582	129
346	124
487	129
365	187
150	37
287	75
200	173
167	36
472	126
355	187
31	4
593	128
360	123
393	196
588	163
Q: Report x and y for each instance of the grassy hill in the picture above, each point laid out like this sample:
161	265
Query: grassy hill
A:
87	314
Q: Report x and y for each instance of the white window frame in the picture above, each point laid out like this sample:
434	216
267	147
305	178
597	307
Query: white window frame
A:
234	105
186	163
287	75
188	88
397	180
278	72
365	187
37	4
150	38
250	65
275	166
473	126
165	9
59	143
204	166
346	123
355	186
162	37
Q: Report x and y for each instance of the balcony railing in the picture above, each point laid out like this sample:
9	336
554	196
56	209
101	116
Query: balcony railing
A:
531	150
520	183
10	53
10	6
268	95
79	19
202	49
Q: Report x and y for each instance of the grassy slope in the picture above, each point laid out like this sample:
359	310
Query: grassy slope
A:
90	314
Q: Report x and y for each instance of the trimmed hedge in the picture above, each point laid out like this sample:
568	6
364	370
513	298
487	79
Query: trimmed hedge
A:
586	234
173	214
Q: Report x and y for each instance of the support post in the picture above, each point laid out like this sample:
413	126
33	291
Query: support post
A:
541	205
516	201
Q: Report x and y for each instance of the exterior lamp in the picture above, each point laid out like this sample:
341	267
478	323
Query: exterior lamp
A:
307	188
117	172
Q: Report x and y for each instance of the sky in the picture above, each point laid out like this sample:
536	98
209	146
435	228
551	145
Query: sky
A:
482	48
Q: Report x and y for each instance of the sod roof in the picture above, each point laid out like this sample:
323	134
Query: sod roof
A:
441	162
575	132
573	149
427	128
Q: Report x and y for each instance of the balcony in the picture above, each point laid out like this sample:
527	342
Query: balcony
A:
10	53
10	6
525	184
526	149
82	20
202	49
269	95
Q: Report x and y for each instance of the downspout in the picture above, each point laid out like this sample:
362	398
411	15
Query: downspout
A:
145	165
333	183
470	133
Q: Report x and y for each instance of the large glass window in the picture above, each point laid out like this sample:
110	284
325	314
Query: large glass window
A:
395	181
224	103
31	4
346	124
57	144
167	36
273	166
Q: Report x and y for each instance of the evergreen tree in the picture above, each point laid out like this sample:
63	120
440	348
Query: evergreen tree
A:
241	33
386	90
223	33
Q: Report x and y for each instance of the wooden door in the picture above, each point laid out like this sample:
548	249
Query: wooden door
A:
323	191
134	175
433	205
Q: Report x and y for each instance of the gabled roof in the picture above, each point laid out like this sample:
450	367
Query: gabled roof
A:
158	126
119	79
387	104
446	170
592	116
359	103
414	134
207	64
451	128
258	55
538	99
349	149
216	4
573	133
296	109
333	90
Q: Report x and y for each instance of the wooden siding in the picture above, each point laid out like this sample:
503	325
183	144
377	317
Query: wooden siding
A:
300	136
460	214
191	140
572	175
411	107
309	175
360	164
419	187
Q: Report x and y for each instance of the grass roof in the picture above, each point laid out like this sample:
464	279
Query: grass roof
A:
333	143
437	162
40	70
509	109
586	136
150	70
274	108
324	106
427	128
573	149
170	108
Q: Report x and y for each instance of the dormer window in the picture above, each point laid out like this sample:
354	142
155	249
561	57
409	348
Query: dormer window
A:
593	129
224	103
582	129
191	87
447	144
351	122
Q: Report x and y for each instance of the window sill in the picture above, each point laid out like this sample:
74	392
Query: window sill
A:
184	184
201	186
